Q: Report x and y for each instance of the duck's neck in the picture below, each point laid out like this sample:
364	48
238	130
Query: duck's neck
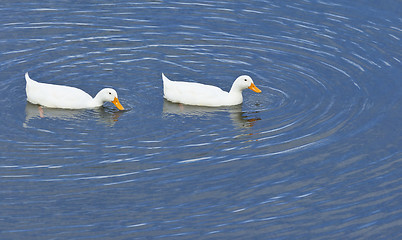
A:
235	93
97	100
235	90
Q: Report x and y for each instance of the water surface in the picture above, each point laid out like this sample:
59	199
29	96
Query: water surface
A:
316	155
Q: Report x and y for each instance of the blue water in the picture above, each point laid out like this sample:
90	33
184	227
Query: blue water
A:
316	155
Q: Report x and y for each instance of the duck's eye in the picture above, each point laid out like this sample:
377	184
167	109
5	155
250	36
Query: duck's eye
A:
245	79
110	93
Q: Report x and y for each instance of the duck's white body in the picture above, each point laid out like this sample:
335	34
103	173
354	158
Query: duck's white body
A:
206	95
58	96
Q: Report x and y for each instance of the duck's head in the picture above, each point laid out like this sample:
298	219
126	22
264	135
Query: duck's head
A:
244	82
109	95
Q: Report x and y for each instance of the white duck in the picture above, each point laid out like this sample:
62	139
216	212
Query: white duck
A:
59	96
206	95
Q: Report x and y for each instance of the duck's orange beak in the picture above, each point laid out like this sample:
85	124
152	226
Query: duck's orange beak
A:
117	103
254	88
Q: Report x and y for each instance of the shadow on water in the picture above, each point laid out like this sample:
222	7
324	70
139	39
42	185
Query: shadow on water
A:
314	156
239	118
103	115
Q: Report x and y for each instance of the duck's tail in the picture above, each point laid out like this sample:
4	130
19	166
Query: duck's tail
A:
164	78
27	78
28	85
166	84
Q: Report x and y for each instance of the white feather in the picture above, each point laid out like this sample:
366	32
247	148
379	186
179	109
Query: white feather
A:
59	96
205	95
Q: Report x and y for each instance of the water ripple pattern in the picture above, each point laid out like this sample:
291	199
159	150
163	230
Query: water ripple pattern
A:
316	155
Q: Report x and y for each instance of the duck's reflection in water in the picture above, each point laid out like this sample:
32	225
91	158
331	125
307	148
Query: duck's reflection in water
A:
239	118
103	114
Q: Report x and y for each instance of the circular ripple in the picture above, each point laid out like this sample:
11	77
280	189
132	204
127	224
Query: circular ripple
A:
321	71
315	72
